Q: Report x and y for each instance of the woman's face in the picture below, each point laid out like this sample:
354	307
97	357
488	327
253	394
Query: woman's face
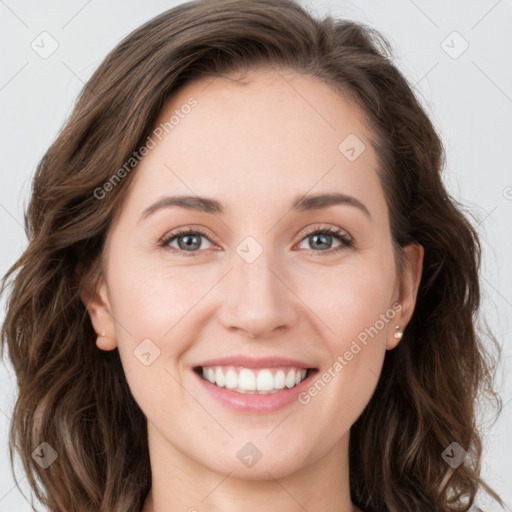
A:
259	293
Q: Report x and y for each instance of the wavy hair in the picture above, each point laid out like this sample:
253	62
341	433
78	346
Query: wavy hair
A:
75	397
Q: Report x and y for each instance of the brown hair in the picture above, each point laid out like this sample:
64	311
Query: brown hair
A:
76	398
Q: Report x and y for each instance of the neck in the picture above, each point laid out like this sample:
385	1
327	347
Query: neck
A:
180	483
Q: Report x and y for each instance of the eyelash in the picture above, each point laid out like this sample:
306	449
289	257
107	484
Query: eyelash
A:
346	241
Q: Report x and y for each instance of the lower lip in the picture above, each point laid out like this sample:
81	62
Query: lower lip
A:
255	403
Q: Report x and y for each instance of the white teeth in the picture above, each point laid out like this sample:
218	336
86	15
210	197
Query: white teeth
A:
279	380
260	381
247	380
219	378
231	379
290	379
265	381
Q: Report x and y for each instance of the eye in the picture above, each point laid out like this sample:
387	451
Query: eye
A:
321	238
188	241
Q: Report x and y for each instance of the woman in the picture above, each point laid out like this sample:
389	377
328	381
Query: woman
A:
244	286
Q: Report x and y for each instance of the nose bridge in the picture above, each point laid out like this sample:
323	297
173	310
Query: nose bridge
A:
255	275
257	299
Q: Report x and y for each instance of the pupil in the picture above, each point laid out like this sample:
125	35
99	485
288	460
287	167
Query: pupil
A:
324	237
189	242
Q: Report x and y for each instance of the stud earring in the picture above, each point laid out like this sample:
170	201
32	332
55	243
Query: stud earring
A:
398	335
102	335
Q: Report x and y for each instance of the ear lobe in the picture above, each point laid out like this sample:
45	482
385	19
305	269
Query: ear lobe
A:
408	285
392	342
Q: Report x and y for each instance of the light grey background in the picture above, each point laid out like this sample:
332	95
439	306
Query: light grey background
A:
468	97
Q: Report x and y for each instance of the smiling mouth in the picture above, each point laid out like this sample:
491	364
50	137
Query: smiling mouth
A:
254	380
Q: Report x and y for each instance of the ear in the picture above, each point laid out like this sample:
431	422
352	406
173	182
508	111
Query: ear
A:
95	298
407	288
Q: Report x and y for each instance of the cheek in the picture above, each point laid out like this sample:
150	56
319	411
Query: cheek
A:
156	309
150	307
150	298
350	298
355	303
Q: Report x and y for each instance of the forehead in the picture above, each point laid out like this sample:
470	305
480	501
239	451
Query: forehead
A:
267	135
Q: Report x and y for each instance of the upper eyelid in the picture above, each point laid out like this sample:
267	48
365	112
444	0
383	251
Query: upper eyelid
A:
188	230
334	229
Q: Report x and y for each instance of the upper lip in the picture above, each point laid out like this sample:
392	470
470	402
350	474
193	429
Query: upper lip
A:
251	362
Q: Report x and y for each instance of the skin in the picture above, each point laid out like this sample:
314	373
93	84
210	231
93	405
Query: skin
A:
292	301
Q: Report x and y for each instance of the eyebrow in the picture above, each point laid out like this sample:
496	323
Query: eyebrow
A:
302	203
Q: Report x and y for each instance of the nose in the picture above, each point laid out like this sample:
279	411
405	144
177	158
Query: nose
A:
258	300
